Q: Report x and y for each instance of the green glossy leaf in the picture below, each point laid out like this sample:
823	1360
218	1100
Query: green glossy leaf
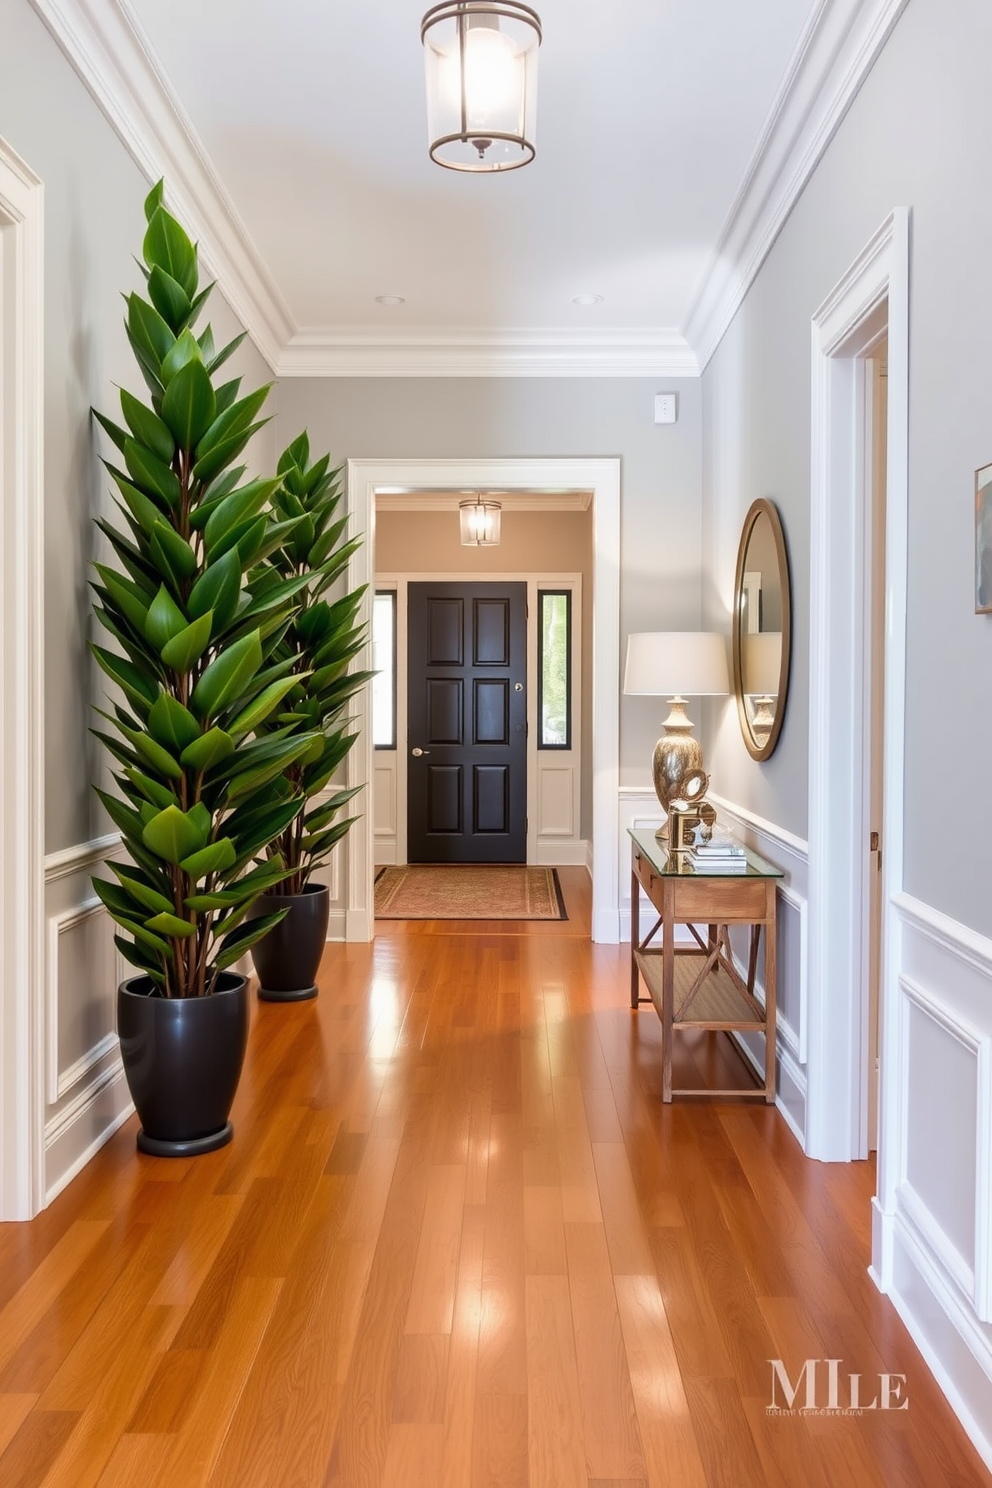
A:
126	595
185	351
167	245
215	858
234	419
141	892
171	925
261	707
227	395
165	619
233	946
116	433
159	795
156	755
225	352
172	552
189	404
144	509
218	591
151	475
208	750
171	835
169	298
147	428
186	648
171	724
226	677
134	683
210	466
239	506
154	199
241	539
148	331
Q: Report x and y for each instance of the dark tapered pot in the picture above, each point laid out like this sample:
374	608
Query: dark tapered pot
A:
288	957
182	1059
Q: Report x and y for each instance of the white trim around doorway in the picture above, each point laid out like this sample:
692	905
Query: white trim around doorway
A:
870	300
601	477
22	923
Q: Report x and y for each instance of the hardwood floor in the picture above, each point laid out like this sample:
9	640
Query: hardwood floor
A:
458	1241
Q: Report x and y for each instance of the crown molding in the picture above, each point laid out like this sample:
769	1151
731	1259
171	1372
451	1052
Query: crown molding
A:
422	352
106	46
835	53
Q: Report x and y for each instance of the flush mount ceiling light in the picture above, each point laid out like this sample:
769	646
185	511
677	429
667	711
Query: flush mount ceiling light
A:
481	60
587	299
390	300
478	520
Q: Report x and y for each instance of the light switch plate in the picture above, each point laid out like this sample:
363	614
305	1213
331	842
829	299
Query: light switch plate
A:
665	408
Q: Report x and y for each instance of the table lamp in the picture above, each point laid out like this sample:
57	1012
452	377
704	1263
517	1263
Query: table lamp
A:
671	663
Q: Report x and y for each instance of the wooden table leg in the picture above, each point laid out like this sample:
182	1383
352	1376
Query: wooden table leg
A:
752	960
667	990
770	997
635	935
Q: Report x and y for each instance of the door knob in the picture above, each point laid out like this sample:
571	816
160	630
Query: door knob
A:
418	752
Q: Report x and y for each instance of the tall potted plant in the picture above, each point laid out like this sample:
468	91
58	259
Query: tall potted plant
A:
320	643
197	660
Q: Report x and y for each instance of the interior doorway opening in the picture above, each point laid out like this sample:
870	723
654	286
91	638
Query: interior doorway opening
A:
597	480
855	541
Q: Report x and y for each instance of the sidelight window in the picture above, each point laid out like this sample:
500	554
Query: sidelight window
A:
554	669
384	663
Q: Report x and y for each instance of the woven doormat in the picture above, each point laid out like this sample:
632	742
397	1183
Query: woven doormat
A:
436	891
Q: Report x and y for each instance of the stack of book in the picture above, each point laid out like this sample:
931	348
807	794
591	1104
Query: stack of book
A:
722	854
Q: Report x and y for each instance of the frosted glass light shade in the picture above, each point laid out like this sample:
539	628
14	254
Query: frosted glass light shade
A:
762	663
676	663
481	64
479	523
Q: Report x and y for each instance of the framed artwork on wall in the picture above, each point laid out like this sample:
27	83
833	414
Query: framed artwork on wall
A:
983	540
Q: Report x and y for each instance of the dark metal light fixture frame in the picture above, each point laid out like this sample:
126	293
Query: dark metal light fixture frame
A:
461	11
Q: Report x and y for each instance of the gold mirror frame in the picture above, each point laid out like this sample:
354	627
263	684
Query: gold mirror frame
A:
761	748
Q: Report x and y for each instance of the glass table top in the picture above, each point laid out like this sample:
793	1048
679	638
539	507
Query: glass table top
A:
681	865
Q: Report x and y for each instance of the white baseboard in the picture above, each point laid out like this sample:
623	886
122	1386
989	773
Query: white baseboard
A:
563	852
78	1131
790	1097
337	925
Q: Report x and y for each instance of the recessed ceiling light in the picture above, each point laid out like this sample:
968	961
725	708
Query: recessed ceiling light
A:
587	299
390	300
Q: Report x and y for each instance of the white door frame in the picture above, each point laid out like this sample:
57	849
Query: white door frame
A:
602	479
400	583
22	865
873	295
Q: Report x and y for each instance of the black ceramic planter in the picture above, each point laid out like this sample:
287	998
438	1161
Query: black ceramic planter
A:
182	1059
287	958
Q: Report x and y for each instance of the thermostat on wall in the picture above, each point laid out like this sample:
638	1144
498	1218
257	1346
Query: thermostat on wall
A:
665	408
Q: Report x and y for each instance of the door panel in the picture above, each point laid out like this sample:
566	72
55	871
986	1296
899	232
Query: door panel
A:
467	661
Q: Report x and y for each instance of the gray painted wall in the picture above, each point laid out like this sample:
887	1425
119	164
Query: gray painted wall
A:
93	226
451	418
917	135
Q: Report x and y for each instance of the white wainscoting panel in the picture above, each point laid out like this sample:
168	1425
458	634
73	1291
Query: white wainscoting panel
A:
86	1093
384	806
934	1230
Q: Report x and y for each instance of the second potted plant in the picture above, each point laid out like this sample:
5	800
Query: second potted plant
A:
319	645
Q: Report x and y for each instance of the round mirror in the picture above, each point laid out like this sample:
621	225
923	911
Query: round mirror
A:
761	629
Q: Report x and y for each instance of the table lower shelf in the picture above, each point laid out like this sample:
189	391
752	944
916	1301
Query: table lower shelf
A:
718	1004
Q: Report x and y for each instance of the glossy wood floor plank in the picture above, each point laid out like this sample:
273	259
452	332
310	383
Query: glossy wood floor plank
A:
459	1242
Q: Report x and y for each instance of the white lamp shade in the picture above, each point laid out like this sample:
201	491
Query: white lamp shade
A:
761	663
481	61
676	663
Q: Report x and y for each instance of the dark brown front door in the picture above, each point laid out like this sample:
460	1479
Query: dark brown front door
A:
467	737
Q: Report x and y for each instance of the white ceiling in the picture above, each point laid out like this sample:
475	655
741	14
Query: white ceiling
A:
649	115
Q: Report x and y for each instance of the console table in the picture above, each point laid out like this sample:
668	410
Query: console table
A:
699	986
